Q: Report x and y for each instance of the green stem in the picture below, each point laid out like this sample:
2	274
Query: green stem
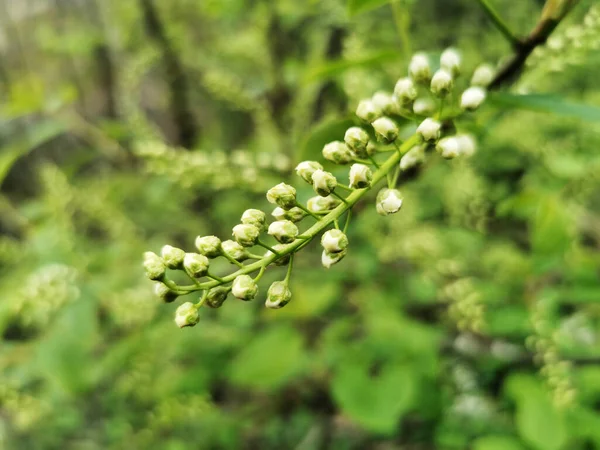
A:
202	300
373	161
260	274
231	259
499	23
348	217
214	277
271	249
335	194
289	269
307	211
402	20
346	188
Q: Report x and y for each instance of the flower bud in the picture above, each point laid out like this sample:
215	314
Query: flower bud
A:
337	152
217	296
389	201
209	246
472	98
367	111
430	129
329	259
449	147
323	182
371	149
334	241
196	265
360	176
154	266
306	168
419	69
235	250
450	61
245	235
187	315
244	288
172	256
284	231
255	217
424	106
467	144
294	215
163	292
322	204
414	157
357	140
405	91
279	249
283	195
483	75
385	129
278	295
441	83
384	102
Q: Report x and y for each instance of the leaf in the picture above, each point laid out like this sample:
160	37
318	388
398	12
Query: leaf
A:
337	67
550	233
546	103
360	6
322	134
497	442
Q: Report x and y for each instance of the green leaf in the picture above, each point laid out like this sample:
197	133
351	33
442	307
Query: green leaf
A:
497	442
546	103
360	6
322	134
550	233
333	68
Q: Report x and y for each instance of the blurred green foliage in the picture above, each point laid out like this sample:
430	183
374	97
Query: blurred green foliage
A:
469	320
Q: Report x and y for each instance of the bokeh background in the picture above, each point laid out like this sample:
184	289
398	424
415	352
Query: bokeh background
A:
470	320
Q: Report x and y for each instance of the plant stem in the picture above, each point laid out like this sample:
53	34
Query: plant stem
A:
402	20
271	249
289	269
499	23
307	211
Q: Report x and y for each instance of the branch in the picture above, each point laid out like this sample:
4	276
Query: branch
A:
499	23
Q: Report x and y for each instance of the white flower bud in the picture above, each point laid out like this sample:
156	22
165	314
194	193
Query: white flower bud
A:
450	61
430	129
405	91
384	102
367	111
235	250
360	176
209	246
294	215
385	129
279	249
323	182
334	241
424	106
441	83
322	204
245	235
244	288
195	264
483	75
255	217
419	69
187	315
389	201
306	168
283	195
163	292
472	98
154	266
449	147
337	152
329	259
467	144
284	231
278	295
357	140
414	157
172	256
217	296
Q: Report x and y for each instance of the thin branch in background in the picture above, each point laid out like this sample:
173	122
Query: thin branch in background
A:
402	20
499	23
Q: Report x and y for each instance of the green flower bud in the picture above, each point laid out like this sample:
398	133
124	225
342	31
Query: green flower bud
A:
357	140
172	256
405	91
424	106
322	204
323	182
442	83
419	69
430	129
472	98
360	176
414	157
283	195
154	266
163	292
385	129
371	149
385	103
450	61
337	152
235	250
187	315
246	235
217	296
196	265
278	295
483	75
306	168
209	246
389	201
284	260
244	288
294	215
329	259
449	147
367	111
334	241
284	231
255	217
